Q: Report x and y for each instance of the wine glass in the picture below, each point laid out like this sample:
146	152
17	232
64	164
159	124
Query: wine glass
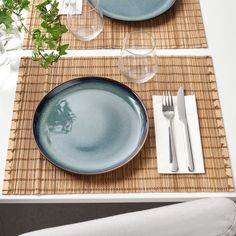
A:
87	23
138	60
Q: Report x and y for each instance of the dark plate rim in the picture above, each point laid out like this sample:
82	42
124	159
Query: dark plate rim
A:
83	79
141	18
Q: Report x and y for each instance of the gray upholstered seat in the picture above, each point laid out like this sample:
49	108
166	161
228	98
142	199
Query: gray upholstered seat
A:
206	217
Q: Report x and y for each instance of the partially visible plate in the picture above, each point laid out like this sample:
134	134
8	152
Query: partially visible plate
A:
134	10
90	125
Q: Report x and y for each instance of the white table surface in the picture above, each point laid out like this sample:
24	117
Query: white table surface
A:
220	25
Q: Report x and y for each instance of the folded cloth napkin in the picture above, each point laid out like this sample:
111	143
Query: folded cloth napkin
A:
205	217
63	6
162	137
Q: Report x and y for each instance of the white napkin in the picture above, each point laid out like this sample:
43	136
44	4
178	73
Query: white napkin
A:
162	137
63	6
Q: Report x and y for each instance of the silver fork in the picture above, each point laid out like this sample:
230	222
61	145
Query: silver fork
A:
169	113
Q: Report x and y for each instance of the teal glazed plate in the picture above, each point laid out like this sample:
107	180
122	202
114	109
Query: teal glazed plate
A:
90	125
134	10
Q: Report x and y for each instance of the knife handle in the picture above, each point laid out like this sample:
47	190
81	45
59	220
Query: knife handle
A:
189	148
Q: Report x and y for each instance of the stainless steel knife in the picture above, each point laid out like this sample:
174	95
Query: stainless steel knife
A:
183	117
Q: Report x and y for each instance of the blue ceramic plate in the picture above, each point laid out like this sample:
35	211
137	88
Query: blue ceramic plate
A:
90	125
134	10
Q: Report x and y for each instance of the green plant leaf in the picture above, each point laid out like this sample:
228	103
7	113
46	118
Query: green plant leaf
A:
48	35
24	5
62	49
6	18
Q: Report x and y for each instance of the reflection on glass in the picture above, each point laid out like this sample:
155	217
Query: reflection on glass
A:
61	118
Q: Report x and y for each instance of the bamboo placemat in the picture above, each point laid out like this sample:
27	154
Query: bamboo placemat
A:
180	27
27	172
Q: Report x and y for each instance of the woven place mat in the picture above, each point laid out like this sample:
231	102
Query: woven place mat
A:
27	172
180	27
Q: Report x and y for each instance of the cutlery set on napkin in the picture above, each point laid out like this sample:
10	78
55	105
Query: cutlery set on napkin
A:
178	140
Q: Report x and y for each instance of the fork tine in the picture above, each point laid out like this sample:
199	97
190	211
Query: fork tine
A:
166	97
163	99
169	98
172	104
